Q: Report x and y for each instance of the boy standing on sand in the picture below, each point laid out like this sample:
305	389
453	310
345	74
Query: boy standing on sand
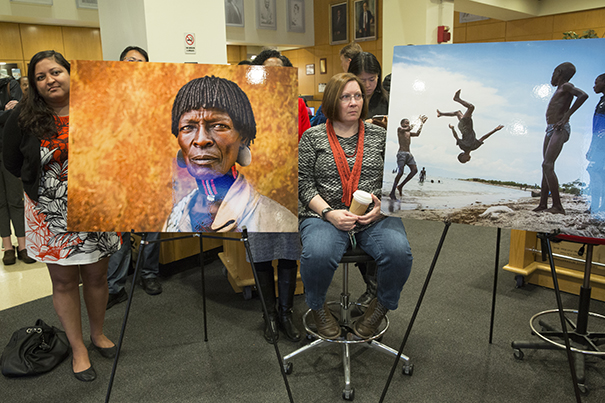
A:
596	151
404	156
558	130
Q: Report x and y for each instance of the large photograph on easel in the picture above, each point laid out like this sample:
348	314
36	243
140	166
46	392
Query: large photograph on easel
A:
499	134
182	148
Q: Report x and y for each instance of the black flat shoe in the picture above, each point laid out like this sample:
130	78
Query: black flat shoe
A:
108	352
88	375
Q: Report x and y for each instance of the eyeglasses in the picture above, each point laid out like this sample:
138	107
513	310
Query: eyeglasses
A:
348	97
132	59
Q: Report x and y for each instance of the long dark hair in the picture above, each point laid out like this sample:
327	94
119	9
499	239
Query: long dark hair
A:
36	116
365	62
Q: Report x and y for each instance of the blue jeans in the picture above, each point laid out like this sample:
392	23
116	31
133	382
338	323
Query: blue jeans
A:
119	262
324	245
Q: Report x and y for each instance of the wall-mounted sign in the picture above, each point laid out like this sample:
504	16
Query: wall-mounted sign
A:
190	43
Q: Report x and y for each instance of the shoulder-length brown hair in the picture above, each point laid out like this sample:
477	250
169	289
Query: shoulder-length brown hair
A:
333	91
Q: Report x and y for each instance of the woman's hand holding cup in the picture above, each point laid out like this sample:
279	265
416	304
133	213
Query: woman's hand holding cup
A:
373	214
342	219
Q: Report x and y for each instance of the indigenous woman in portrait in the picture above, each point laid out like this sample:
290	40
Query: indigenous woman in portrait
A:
36	150
214	125
336	159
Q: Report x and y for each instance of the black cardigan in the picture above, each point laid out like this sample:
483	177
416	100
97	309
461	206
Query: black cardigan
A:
21	154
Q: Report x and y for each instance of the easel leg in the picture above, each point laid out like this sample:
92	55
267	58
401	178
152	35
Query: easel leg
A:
562	317
125	320
279	358
491	323
409	329
203	288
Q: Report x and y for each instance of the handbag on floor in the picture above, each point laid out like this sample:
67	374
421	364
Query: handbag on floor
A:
34	350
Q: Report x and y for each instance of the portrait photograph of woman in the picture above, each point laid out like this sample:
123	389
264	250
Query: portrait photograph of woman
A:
201	149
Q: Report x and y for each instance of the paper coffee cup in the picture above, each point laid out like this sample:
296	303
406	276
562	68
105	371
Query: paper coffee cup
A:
361	201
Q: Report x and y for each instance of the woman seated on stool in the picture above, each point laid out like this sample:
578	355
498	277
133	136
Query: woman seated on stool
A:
335	159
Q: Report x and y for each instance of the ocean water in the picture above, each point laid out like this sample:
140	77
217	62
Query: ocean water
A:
446	193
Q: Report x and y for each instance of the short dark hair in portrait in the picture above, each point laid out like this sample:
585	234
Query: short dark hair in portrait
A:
220	93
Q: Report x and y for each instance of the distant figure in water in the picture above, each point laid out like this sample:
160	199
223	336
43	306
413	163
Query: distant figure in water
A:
596	151
404	156
422	175
469	141
558	130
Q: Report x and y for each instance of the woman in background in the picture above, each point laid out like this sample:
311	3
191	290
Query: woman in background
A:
36	150
367	68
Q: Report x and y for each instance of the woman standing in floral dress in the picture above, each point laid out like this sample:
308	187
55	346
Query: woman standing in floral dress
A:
35	149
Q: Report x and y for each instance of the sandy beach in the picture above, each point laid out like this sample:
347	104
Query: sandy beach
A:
516	215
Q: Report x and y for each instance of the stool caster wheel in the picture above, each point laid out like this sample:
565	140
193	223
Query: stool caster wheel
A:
520	280
583	389
288	368
408	369
247	293
348	394
518	354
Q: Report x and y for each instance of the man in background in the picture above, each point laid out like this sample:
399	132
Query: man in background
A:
119	262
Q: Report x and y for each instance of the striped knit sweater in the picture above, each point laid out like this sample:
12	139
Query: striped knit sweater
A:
317	172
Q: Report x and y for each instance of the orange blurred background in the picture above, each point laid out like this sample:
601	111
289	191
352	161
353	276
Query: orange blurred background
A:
122	170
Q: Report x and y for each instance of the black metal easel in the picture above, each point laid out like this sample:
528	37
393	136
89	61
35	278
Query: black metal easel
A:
409	329
145	242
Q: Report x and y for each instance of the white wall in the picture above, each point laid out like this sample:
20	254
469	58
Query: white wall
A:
159	27
62	12
249	35
412	22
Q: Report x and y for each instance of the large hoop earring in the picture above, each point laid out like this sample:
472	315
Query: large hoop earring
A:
180	160
244	156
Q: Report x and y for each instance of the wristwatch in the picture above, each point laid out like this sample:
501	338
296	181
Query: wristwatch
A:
326	211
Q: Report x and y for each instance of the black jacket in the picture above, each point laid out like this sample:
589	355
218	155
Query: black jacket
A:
21	154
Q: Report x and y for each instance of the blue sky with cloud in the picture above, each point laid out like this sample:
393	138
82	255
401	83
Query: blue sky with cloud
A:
509	84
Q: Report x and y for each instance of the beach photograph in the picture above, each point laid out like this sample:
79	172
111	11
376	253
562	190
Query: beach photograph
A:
497	134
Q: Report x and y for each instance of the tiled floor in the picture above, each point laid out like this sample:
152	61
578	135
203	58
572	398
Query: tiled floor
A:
20	282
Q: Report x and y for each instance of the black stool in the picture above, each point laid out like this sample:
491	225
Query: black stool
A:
347	336
582	341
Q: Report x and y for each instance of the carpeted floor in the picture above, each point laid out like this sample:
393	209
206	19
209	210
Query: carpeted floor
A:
164	357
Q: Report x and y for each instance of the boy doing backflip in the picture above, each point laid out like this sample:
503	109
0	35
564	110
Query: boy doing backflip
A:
469	141
404	156
558	130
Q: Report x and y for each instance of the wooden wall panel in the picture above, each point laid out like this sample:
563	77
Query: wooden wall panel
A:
486	32
82	43
533	26
35	38
10	42
530	29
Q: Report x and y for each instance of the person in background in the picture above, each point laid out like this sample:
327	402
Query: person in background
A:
283	247
36	150
24	84
11	189
365	66
119	262
335	160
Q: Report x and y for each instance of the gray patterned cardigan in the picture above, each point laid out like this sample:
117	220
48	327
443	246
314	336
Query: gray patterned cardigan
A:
318	175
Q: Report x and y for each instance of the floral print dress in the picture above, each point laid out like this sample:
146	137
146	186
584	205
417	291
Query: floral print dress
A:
47	239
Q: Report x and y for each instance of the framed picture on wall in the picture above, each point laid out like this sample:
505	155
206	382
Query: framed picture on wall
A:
265	14
45	2
234	13
338	23
310	69
365	20
92	4
296	16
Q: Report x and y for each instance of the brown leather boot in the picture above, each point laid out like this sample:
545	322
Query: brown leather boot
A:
9	257
326	323
367	325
